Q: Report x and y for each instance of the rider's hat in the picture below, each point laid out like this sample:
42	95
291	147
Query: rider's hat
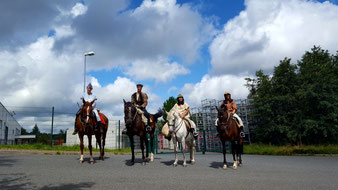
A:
226	93
90	85
141	85
179	96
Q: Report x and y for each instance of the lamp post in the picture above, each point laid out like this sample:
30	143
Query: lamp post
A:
84	74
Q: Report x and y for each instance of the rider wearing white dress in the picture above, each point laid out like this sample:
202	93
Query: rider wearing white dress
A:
184	111
89	97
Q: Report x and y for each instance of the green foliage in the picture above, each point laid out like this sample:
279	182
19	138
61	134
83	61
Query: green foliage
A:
289	150
298	103
35	130
167	105
24	131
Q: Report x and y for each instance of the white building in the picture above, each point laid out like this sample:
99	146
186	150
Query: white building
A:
9	127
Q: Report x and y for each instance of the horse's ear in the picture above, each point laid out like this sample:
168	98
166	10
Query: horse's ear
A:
92	102
83	101
124	101
166	112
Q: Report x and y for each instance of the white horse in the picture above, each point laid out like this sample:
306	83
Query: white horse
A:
181	135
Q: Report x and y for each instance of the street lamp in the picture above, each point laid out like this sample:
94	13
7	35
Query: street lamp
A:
84	74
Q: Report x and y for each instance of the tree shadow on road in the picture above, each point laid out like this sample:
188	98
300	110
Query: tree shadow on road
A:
7	161
69	186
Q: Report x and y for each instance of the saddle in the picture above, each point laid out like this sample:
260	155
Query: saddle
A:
187	124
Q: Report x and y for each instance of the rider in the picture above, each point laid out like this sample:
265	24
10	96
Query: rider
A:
184	112
140	100
89	97
231	107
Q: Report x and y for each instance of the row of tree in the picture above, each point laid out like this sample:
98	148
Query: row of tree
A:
298	104
43	138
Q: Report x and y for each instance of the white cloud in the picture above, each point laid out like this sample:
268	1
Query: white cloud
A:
269	30
213	87
78	9
160	69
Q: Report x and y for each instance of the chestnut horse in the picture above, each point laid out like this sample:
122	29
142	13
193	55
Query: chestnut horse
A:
229	131
135	126
153	121
85	126
101	133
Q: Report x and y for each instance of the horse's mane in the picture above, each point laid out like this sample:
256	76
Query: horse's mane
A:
170	114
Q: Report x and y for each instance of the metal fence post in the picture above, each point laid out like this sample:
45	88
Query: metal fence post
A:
51	132
119	135
205	142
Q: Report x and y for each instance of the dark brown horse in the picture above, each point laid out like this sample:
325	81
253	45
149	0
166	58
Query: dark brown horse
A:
101	133
229	131
85	126
135	126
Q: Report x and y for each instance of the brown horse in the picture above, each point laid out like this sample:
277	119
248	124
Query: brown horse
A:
229	131
101	133
135	126
85	123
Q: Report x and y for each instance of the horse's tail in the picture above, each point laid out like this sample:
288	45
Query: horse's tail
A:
158	114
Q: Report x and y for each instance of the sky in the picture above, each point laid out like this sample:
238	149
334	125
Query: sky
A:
198	48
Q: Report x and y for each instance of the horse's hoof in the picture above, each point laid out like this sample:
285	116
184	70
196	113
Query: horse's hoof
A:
175	164
225	167
132	163
81	161
143	163
234	167
192	162
91	162
185	165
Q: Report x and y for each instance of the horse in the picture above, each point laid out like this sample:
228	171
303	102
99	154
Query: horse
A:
153	121
229	131
84	124
135	126
180	134
101	133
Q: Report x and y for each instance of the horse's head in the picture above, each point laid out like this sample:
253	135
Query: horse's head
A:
86	111
154	118
222	115
129	112
172	116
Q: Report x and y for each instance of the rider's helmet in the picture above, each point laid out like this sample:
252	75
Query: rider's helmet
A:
90	86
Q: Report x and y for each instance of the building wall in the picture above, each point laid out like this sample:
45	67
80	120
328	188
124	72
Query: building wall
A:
9	122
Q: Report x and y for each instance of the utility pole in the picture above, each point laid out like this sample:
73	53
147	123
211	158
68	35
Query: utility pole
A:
51	132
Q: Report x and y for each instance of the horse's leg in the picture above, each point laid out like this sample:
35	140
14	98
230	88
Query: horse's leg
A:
132	149
183	152
240	153
81	146
152	147
224	155
234	145
142	139
192	152
103	141
90	147
97	137
146	143
175	150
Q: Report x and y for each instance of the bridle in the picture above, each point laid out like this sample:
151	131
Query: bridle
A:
227	123
130	114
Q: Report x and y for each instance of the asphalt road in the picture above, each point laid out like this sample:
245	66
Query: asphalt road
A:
258	172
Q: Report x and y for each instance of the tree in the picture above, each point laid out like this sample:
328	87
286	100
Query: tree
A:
35	130
167	105
24	131
298	102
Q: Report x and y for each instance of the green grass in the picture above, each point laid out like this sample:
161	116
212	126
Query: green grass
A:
59	148
290	150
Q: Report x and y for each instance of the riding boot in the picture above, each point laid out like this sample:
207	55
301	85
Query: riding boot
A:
168	137
194	133
124	131
98	126
241	134
75	129
148	128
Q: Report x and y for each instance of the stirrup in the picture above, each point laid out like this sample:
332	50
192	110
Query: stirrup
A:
124	131
74	133
242	134
148	128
